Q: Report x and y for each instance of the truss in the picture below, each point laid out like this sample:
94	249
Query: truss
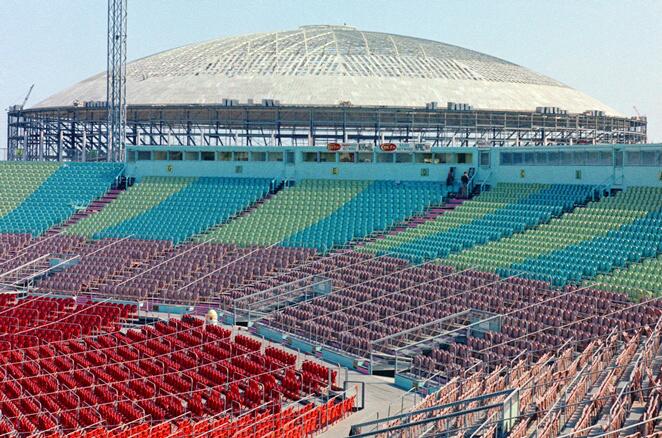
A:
81	133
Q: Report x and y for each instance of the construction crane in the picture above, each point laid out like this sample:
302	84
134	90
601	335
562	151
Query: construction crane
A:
27	96
639	116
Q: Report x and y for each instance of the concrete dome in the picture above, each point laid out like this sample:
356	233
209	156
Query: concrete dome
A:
327	65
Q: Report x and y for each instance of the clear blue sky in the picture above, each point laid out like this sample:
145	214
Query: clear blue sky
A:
610	49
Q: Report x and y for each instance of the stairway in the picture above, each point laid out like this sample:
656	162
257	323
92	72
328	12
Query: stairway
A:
431	214
245	212
92	208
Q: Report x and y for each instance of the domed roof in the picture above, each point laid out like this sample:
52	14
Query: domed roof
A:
327	65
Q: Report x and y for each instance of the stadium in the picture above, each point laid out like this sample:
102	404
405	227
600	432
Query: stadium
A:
330	232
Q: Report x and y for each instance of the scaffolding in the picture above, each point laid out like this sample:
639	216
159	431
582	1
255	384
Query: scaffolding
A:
81	133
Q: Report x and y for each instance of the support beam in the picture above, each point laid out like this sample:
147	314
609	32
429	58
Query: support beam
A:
116	79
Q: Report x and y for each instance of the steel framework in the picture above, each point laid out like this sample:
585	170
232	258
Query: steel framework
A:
81	132
116	80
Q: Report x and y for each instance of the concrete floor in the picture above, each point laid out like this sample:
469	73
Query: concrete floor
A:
382	399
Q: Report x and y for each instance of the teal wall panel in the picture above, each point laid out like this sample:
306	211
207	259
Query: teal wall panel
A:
642	165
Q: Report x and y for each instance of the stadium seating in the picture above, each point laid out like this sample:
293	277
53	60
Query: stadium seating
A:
102	260
177	370
44	196
380	206
18	180
501	212
617	231
192	273
373	298
322	214
204	202
135	201
582	224
639	280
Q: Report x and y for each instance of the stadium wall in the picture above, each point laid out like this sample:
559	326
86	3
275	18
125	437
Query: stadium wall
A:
613	165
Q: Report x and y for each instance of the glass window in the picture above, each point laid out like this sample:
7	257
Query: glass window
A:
463	158
403	158
310	157
593	158
579	158
224	156
529	158
541	158
633	158
506	158
131	156
518	157
241	156
207	156
365	157
327	157
346	157
384	158
159	155
567	157
175	156
648	158
443	158
423	158
144	155
605	158
191	156
275	156
554	158
258	156
485	158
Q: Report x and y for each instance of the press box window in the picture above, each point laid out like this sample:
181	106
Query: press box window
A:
275	156
365	157
384	158
258	156
648	158
442	158
541	158
224	156
144	156
191	156
207	156
241	156
484	159
403	158
327	157
553	158
159	155
175	156
346	157
310	157
423	158
464	158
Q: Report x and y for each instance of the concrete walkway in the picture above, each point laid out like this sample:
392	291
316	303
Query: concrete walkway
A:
380	395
